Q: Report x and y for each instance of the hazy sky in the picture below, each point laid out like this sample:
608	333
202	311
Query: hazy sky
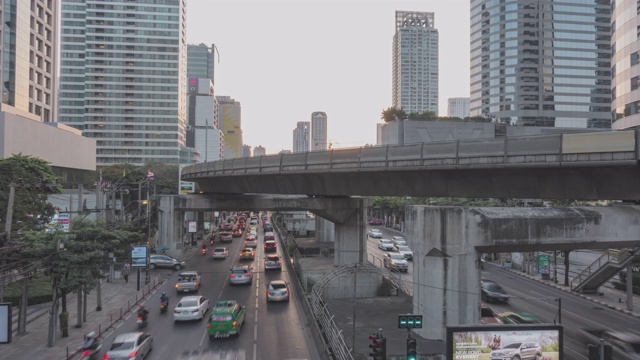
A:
283	60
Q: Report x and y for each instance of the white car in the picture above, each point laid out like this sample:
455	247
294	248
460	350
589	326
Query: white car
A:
404	250
277	290
399	240
191	308
375	233
385	244
396	261
220	253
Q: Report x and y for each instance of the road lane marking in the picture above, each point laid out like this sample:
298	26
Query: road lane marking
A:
203	337
255	351
255	332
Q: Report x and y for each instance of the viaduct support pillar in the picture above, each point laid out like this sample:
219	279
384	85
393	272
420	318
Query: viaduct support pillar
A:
349	216
446	271
170	222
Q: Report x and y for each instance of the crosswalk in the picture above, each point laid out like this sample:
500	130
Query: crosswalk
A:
213	354
216	354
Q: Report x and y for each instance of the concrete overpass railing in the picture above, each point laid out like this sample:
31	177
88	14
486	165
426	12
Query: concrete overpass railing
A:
610	148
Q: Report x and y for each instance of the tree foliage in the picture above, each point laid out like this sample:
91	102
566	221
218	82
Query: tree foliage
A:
166	176
34	180
394	114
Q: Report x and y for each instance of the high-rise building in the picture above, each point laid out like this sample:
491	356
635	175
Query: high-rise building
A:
415	62
542	63
229	116
203	133
201	61
301	137
28	48
123	78
259	151
246	150
626	64
458	107
318	131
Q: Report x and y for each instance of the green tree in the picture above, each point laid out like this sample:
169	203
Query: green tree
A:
80	264
393	114
34	180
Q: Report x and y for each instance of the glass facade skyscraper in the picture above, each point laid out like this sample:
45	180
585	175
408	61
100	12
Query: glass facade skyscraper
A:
542	62
123	78
200	61
625	64
415	62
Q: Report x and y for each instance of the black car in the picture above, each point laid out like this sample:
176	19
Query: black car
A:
492	292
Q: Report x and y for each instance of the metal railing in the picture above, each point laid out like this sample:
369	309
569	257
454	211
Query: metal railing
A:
72	350
330	335
611	256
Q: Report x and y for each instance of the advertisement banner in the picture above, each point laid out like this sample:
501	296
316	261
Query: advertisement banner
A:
193	226
504	342
544	267
207	225
139	256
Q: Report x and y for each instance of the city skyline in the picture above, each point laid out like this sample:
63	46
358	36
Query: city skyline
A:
327	63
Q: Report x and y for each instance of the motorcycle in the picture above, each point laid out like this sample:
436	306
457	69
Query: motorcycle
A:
211	241
163	306
142	322
204	251
87	353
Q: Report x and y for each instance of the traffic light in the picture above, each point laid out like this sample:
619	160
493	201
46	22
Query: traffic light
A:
412	352
378	347
409	321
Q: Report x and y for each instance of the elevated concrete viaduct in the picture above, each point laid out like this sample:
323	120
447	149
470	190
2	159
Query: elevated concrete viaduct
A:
448	241
348	215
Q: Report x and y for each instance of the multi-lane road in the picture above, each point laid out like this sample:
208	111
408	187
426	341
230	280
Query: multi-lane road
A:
270	331
542	300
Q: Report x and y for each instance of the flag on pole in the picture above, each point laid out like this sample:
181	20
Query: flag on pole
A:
150	175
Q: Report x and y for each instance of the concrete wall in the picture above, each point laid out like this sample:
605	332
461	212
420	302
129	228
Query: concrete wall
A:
58	144
325	230
346	287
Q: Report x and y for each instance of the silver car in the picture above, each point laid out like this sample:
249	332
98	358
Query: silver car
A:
240	275
395	261
164	261
130	346
399	241
272	262
277	290
385	244
404	250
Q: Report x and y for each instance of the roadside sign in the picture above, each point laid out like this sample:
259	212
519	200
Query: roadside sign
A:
543	264
139	256
193	226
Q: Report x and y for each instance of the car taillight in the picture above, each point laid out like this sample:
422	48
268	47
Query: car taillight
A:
176	312
86	353
139	318
232	276
105	357
133	354
234	324
270	293
195	310
286	292
209	327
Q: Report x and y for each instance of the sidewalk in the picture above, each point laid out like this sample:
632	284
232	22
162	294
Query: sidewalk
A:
118	298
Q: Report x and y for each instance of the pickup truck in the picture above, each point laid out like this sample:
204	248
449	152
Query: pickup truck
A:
625	345
188	281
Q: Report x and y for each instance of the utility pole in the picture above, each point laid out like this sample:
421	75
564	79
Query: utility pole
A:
53	312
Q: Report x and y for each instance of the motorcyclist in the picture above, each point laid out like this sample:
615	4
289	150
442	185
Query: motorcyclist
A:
204	247
164	298
90	341
142	312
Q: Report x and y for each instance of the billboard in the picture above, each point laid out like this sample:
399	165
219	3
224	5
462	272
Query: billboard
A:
139	256
504	342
